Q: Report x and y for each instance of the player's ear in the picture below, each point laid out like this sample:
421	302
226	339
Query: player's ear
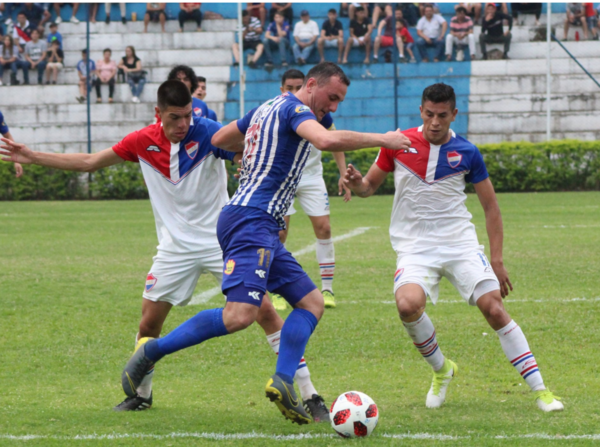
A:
454	113
157	112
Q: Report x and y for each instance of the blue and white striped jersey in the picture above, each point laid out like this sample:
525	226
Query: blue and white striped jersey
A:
274	155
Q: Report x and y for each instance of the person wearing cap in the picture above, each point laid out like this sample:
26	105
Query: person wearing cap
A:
305	34
492	30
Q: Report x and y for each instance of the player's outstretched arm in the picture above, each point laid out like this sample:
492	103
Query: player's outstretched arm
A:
229	138
367	185
19	153
345	140
340	161
493	222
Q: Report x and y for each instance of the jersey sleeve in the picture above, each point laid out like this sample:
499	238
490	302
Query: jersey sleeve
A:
297	114
212	115
3	125
244	122
478	171
127	148
385	160
199	107
212	127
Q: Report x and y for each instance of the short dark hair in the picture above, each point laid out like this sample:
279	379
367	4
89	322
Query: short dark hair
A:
53	24
461	9
244	13
279	13
21	13
84	51
324	71
332	11
292	73
189	73
438	93
107	49
173	93
201	79
427	5
359	9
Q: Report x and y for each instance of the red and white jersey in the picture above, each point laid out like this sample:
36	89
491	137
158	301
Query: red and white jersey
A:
187	183
429	209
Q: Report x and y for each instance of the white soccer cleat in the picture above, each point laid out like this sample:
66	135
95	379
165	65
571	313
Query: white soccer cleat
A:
547	401
441	379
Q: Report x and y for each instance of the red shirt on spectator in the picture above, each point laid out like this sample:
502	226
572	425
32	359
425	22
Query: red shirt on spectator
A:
406	37
589	10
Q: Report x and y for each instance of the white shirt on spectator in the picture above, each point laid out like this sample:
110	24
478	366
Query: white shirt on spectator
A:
306	31
251	34
431	28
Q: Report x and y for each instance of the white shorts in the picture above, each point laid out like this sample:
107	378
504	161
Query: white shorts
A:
333	43
357	41
463	269
173	277
313	197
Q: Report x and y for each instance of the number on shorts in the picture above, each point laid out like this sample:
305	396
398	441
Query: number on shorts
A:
262	254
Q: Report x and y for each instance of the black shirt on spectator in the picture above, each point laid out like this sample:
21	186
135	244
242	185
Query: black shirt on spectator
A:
59	53
332	30
494	26
360	29
131	66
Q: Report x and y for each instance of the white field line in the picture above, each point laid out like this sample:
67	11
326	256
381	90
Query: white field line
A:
565	300
205	296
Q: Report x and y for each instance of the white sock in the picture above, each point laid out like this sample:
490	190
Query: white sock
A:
517	351
145	388
326	260
423	336
302	376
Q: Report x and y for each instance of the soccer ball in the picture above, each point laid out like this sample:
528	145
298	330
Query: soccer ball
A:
354	414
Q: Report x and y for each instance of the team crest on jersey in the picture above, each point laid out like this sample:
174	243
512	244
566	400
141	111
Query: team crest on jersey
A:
229	267
302	109
398	274
454	159
192	149
150	282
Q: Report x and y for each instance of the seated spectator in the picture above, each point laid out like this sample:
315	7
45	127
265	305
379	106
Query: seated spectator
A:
10	57
285	9
257	10
36	15
200	93
576	17
106	70
404	41
332	35
57	7
251	31
85	66
277	35
305	34
54	35
410	13
492	31
132	66
22	31
122	9
473	10
431	29
379	11
591	17
461	34
93	11
2	18
385	34
360	34
526	8
422	6
35	57
190	12
54	57
155	12
349	9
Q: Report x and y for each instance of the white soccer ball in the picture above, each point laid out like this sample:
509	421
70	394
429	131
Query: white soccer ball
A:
354	414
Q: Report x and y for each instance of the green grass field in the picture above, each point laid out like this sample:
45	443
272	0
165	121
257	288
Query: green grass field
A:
71	277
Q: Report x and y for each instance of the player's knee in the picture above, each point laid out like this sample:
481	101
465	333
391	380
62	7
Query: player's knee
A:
492	308
323	230
410	305
267	315
237	321
314	303
150	328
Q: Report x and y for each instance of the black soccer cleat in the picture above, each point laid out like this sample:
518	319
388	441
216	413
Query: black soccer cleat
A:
284	396
135	370
315	406
136	403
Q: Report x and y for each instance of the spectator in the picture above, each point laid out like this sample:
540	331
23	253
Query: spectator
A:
461	35
576	17
385	34
404	41
36	15
73	16
132	66
492	31
122	9
22	31
305	34
349	9
257	10
35	57
5	132
106	70
10	57
93	11
285	9
591	17
473	10
84	66
332	35
54	57
431	29
251	31
200	93
410	13
54	35
277	35
379	11
422	6
155	12
186	75
526	8
2	18
360	34
190	12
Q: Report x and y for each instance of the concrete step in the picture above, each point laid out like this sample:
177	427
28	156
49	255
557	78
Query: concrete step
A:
534	137
534	67
508	123
537	50
509	85
527	103
172	26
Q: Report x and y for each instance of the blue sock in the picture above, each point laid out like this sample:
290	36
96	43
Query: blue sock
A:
204	326
295	333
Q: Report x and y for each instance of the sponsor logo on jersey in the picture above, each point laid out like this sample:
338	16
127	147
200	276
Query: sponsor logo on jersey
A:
411	150
229	267
302	109
261	273
192	149
153	149
197	111
254	295
454	159
150	282
398	274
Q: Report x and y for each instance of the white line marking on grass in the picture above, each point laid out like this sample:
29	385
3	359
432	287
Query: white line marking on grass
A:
205	296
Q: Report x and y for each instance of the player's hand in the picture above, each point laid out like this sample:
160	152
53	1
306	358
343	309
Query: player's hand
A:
237	159
503	279
18	170
346	191
239	173
15	152
353	178
396	140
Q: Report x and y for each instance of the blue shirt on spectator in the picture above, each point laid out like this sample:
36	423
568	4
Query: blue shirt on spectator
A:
82	69
285	26
58	37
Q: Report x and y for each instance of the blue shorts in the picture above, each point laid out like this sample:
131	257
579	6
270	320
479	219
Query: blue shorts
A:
254	260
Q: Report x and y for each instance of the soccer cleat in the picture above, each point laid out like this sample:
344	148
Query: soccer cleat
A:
279	302
329	299
284	396
136	369
315	406
441	379
135	403
547	401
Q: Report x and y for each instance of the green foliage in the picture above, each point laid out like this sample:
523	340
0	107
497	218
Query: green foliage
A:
39	183
122	181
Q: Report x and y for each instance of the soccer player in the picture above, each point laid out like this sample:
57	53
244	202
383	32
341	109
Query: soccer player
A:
200	93
277	138
432	234
177	161
312	195
186	75
5	131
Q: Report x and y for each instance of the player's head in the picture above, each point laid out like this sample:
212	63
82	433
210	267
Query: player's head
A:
438	111
200	92
360	12
326	85
174	109
186	75
292	81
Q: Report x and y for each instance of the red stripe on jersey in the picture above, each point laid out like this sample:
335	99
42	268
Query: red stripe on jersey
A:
416	158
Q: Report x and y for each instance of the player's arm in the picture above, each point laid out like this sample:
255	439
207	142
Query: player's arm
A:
367	185
18	167
19	153
340	161
229	138
493	222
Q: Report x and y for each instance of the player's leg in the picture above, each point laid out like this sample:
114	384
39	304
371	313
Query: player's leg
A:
278	301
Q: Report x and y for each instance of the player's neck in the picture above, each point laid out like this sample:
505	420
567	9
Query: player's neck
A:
442	141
